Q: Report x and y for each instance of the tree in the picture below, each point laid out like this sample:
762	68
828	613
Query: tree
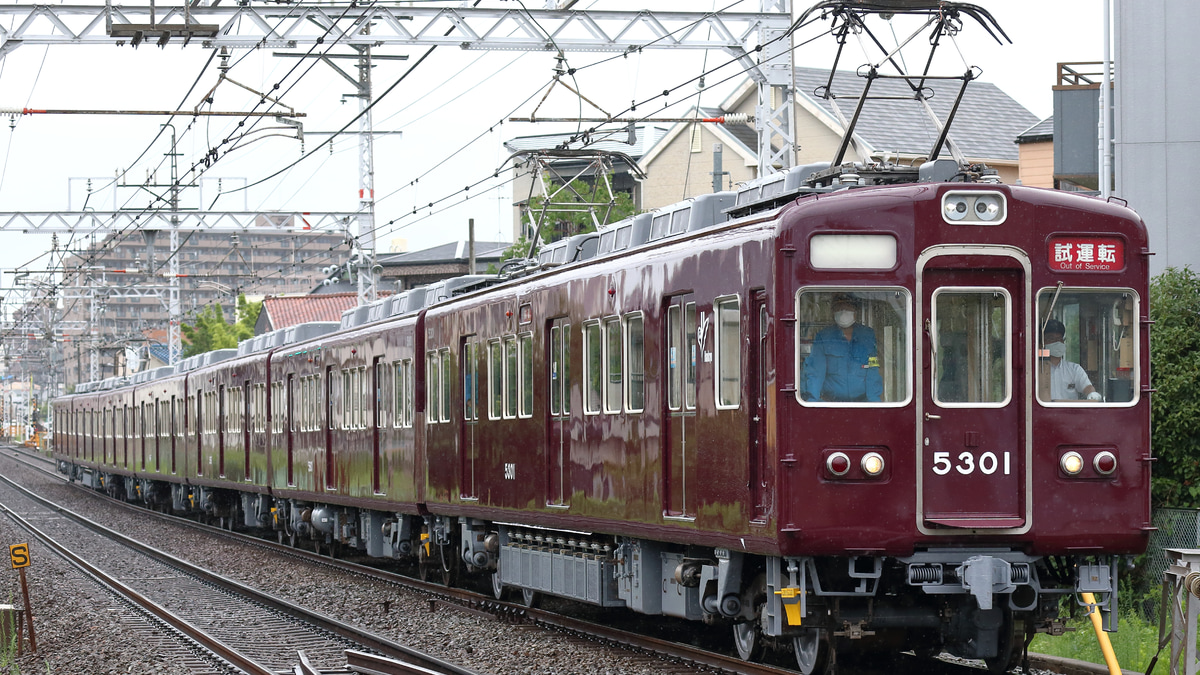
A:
1175	407
560	222
211	330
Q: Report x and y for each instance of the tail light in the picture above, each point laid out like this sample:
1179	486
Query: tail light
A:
838	464
1105	463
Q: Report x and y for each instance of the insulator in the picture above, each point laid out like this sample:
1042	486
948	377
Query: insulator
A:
737	118
1192	583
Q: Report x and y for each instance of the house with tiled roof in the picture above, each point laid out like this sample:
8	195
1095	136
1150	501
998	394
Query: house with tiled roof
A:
984	128
290	310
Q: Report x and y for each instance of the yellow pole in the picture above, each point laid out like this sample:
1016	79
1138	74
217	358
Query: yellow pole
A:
1110	657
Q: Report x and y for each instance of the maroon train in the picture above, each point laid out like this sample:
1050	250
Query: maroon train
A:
659	416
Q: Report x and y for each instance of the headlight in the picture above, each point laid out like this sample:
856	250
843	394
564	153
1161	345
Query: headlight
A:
1105	463
838	464
956	208
1071	463
987	207
872	464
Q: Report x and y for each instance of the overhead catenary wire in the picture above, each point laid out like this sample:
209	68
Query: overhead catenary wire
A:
436	201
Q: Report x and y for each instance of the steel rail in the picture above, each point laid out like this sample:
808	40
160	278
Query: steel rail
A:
364	638
210	643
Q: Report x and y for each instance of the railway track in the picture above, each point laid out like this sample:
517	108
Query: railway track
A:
670	655
244	629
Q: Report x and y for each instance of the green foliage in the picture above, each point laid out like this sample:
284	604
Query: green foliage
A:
1135	643
211	330
560	223
1175	364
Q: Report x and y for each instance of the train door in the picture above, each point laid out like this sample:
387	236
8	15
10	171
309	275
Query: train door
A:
175	429
558	447
974	400
680	454
221	430
469	353
247	421
377	419
759	361
289	427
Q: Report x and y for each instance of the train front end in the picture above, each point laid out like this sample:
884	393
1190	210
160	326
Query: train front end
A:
964	438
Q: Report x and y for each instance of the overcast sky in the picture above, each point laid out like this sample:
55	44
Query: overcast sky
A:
454	97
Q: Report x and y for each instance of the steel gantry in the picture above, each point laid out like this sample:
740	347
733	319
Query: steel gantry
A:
759	41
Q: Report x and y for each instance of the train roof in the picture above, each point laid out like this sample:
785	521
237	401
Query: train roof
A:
642	230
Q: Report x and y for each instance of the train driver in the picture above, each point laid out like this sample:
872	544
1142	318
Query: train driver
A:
1068	380
844	364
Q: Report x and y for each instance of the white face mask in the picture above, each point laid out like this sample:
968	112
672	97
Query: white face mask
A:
844	318
1057	349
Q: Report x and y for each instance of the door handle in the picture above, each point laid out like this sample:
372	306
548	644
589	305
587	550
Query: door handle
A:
931	416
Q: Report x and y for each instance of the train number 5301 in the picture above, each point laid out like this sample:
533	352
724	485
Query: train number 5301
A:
987	463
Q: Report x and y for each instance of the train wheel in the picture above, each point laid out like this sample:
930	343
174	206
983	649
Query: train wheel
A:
749	641
530	598
497	585
812	652
1010	647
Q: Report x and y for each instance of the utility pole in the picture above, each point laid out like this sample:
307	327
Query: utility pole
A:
366	179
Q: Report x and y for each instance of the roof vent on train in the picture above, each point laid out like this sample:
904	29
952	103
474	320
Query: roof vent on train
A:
307	331
209	358
692	215
572	249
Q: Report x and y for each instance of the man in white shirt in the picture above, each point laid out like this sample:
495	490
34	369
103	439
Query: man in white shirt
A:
1068	381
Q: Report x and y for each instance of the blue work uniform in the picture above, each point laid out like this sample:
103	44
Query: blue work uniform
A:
843	370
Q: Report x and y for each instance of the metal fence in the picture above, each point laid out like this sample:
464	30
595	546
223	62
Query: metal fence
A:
1177	528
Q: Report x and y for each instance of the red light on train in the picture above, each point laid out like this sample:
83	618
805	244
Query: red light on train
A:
1105	463
838	464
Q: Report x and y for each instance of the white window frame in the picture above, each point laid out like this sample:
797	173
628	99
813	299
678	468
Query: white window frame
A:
1008	352
718	361
626	365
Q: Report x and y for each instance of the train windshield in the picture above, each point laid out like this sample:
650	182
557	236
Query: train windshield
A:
1086	346
852	346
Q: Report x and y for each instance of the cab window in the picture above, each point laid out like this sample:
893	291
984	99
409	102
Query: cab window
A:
853	346
1086	347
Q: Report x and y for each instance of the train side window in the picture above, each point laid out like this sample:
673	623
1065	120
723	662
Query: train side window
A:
866	359
635	364
470	380
409	389
729	353
526	403
400	376
613	373
511	359
691	347
447	384
433	386
675	357
1086	351
555	366
495	380
593	379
